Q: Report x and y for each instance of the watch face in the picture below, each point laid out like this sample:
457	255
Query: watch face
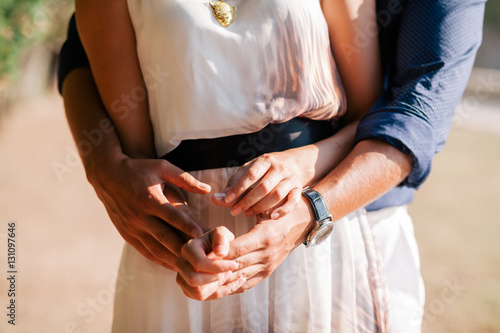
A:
322	233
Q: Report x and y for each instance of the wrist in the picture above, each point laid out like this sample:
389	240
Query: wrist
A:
307	220
304	159
100	161
323	219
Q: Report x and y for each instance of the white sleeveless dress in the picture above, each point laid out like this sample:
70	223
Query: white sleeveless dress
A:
272	64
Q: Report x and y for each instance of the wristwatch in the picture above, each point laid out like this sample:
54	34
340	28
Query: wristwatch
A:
324	223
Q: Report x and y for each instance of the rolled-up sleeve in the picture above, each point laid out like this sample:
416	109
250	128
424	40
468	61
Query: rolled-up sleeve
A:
435	49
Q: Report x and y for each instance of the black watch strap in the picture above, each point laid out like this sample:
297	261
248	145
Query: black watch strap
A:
318	204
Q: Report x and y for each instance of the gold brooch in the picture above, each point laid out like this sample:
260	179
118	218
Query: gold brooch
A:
223	12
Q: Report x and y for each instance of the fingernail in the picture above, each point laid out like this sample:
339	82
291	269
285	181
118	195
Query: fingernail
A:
233	265
204	186
196	233
240	282
275	216
219	196
227	275
236	211
230	196
223	278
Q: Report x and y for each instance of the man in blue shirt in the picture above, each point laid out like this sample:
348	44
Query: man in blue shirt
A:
427	52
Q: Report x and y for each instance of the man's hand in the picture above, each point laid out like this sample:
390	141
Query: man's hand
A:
250	258
264	247
148	213
130	189
203	273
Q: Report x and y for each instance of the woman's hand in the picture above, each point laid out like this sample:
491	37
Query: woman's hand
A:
264	247
203	273
271	185
272	182
246	260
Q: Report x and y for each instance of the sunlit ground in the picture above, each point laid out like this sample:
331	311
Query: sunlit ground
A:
69	251
457	222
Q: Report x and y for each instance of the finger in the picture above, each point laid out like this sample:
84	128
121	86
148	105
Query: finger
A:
130	236
252	174
145	253
194	278
205	292
155	203
272	199
177	219
172	174
155	252
293	199
249	268
227	289
221	237
250	283
189	212
249	242
199	293
237	175
173	194
166	235
252	275
177	199
264	187
195	252
220	199
249	264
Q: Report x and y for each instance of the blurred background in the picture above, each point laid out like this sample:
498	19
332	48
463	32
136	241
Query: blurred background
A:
68	251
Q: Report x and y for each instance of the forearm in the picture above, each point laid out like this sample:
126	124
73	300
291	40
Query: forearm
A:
315	161
427	71
148	214
358	63
371	169
86	115
108	37
325	155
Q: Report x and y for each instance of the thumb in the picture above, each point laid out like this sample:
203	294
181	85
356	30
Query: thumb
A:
237	175
172	174
221	237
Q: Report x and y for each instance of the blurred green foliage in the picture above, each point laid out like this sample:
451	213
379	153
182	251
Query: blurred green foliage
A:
17	30
25	22
492	14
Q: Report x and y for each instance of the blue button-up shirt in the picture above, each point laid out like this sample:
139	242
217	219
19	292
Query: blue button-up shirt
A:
427	50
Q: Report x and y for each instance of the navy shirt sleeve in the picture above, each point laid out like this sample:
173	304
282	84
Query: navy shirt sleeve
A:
427	61
72	54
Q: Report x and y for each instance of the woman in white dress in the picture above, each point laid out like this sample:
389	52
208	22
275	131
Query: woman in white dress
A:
191	76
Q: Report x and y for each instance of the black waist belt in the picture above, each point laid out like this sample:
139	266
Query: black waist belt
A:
236	150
